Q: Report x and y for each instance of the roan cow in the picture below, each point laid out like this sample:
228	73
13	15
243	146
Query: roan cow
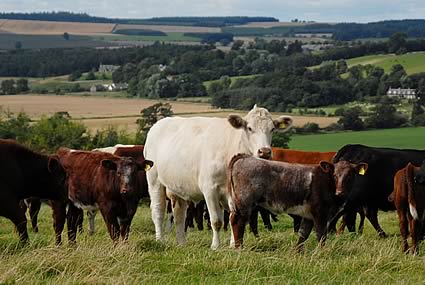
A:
304	190
191	157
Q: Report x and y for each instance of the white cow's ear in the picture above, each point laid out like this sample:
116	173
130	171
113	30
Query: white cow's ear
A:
283	123
236	121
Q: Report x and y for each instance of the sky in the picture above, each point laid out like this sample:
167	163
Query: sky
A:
361	11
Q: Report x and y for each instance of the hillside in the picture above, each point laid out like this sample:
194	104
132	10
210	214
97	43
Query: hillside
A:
412	62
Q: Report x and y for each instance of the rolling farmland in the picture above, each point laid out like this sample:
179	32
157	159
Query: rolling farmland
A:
98	112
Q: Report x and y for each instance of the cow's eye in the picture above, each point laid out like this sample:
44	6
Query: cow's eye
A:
250	129
273	129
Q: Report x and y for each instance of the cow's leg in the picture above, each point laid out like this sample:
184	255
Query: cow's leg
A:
253	221
297	222
73	216
226	220
320	227
372	215
16	214
170	218
362	214
91	214
59	217
34	210
179	213
415	234
157	195
216	215
111	222
237	224
265	216
199	215
404	230
304	233
190	215
125	225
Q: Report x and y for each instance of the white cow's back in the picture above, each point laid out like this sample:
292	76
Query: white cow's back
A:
189	152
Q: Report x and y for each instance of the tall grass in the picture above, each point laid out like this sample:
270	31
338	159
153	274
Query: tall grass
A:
270	259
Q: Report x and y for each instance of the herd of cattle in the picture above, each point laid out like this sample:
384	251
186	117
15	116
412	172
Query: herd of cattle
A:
227	164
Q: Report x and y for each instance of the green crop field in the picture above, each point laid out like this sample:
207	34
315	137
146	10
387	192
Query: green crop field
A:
397	138
412	62
8	41
345	259
170	37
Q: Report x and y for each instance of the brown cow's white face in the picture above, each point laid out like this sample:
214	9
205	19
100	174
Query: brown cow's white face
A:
258	126
126	171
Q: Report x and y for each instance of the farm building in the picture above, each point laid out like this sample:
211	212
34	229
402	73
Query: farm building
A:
108	68
403	93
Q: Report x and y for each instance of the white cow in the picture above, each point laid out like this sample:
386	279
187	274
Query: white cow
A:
191	157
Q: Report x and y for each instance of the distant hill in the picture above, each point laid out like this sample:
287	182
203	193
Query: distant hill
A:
181	21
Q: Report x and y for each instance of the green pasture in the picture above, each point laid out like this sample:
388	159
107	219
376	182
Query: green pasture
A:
170	37
346	259
395	138
412	62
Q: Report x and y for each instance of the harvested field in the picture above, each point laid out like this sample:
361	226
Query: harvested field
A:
99	112
54	28
169	29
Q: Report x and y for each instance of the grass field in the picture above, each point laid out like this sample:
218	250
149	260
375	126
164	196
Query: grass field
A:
347	259
412	62
397	138
170	37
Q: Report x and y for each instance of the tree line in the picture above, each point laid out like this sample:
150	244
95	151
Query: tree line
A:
186	21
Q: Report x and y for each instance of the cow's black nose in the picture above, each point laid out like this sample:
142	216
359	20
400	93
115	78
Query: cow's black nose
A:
265	152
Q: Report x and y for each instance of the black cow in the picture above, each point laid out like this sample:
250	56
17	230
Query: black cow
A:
369	189
26	174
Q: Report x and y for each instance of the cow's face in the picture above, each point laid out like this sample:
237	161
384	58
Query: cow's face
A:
344	174
258	126
126	172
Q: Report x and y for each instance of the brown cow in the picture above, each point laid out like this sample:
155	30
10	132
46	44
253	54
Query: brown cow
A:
409	198
304	190
104	181
25	174
134	151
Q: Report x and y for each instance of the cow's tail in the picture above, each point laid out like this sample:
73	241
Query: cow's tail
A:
229	183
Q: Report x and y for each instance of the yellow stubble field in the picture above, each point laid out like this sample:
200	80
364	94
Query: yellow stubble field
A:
100	112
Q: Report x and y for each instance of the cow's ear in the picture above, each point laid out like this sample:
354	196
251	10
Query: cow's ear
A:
326	166
53	165
361	168
283	123
109	164
237	121
145	165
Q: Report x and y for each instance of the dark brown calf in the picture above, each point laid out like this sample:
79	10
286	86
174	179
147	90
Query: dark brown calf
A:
304	190
104	181
409	199
25	174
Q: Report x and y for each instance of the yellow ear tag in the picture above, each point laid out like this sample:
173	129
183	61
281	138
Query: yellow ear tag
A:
147	167
362	171
282	125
